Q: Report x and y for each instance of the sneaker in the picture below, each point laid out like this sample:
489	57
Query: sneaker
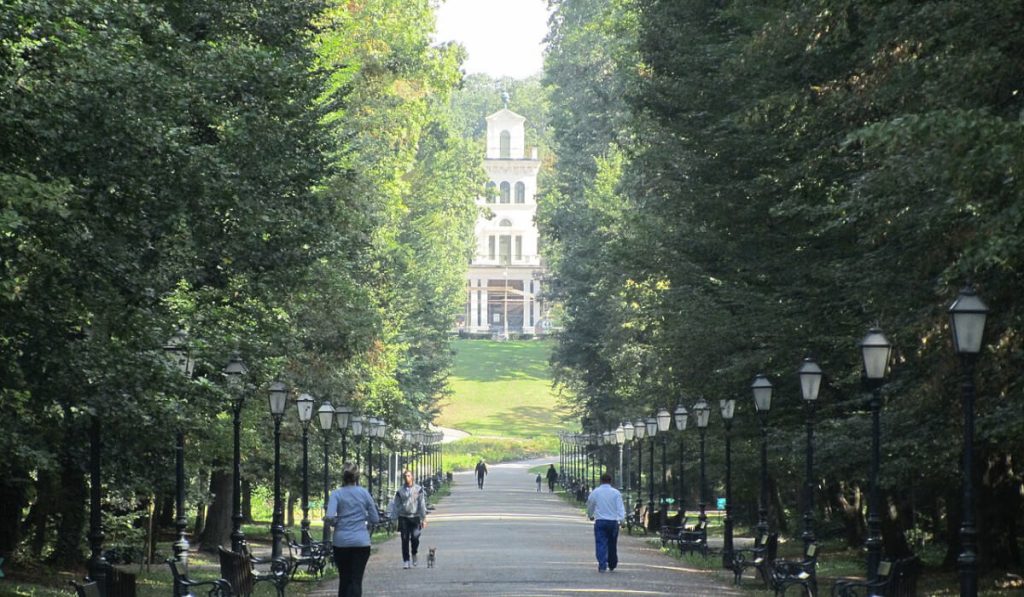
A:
405	565
601	569
413	560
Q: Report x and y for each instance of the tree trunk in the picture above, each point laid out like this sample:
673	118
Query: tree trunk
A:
71	498
847	502
204	482
13	496
894	540
777	512
217	530
165	504
247	502
290	510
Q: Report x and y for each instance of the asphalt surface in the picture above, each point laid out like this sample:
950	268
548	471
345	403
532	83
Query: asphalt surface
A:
509	540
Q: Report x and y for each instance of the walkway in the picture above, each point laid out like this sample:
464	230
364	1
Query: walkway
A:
510	540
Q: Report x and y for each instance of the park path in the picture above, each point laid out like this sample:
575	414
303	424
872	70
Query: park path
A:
507	540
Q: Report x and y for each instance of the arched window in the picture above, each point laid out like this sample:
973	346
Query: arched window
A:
520	192
490	192
506	191
505	222
505	145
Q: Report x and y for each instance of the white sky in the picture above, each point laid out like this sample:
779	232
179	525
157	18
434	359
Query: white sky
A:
511	48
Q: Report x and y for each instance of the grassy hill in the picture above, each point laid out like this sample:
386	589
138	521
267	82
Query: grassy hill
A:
502	396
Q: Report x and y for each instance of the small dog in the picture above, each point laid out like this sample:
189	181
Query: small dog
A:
431	557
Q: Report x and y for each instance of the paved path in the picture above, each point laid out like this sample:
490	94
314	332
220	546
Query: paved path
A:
510	540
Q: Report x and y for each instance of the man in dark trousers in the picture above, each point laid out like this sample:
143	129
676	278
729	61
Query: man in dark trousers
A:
552	478
605	508
481	472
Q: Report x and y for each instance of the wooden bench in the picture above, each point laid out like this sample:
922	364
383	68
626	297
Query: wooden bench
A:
694	539
673	527
895	579
116	583
803	573
760	557
313	556
183	585
238	570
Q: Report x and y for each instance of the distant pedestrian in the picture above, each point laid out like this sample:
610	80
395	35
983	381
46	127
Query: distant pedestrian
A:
605	508
552	478
350	510
539	481
409	507
481	472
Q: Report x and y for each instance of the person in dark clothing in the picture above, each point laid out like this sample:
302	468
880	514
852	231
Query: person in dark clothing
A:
481	472
409	507
552	478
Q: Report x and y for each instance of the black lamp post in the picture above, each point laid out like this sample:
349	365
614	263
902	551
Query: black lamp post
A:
640	430
357	436
703	414
664	421
681	418
304	404
325	414
652	431
180	358
810	383
343	414
379	431
728	408
620	440
876	351
234	371
628	433
967	314
369	429
278	400
763	403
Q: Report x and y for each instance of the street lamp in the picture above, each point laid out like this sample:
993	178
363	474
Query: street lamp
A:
703	414
681	418
728	408
628	433
325	414
652	431
379	431
876	351
664	421
343	414
278	395
356	422
763	403
810	383
234	371
967	317
304	404
620	440
178	353
640	430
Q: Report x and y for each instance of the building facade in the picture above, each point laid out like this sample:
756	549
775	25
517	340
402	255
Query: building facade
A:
505	275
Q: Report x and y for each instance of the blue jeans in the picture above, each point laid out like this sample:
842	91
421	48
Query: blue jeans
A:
606	537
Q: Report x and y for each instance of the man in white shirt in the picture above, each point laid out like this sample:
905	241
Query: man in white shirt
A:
605	508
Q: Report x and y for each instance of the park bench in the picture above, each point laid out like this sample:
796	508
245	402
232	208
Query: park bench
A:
789	573
184	586
635	519
694	539
385	523
760	557
87	589
117	583
313	556
895	579
238	569
674	525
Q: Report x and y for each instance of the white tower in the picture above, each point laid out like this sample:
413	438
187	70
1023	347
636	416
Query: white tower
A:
506	272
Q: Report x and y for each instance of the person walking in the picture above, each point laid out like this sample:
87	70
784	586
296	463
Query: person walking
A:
552	478
350	510
481	472
605	508
538	480
409	507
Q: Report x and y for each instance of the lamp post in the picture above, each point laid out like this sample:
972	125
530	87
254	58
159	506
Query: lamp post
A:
810	383
369	430
177	350
357	436
628	433
234	371
343	414
763	403
379	432
876	351
728	408
967	317
664	421
620	440
652	431
703	414
304	404
325	414
278	400
640	430
681	418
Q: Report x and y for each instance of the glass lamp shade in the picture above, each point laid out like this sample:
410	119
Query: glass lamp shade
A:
728	408
620	434
967	318
305	406
664	419
652	426
681	417
382	428
607	437
762	393
810	379
278	398
627	429
235	370
343	413
702	412
640	429
326	415
357	425
876	351
179	354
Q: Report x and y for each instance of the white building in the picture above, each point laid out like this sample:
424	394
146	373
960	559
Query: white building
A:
506	272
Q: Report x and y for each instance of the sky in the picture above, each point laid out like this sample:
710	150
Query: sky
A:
513	48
